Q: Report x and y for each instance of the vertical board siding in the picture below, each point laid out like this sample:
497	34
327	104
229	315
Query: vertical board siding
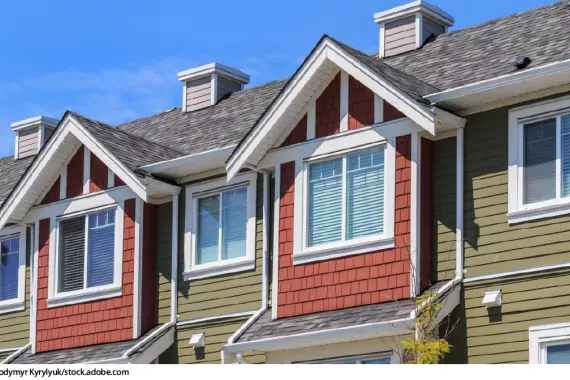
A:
327	110
299	133
427	277
351	281
400	36
209	297
226	86
75	175
431	27
99	175
391	112
198	93
28	142
149	282
360	105
88	323
444	210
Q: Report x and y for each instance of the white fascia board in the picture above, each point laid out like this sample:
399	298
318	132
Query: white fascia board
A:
318	338
211	68
499	82
33	122
328	51
409	9
191	164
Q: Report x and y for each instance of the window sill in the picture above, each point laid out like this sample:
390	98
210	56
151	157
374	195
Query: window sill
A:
343	249
539	212
10	306
218	269
84	296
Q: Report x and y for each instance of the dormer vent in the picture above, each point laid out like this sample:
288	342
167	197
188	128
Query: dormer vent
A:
204	86
522	62
408	27
32	134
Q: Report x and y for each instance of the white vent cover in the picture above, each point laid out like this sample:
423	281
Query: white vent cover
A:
197	340
493	299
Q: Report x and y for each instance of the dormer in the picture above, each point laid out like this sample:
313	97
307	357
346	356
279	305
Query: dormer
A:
204	86
408	27
31	135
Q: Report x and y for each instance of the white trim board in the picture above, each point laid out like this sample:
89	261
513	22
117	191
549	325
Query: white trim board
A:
516	272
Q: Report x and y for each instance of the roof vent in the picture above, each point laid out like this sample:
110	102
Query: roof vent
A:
205	85
32	134
408	27
522	62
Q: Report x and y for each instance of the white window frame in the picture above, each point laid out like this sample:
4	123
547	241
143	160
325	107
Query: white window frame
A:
193	271
543	336
519	212
57	298
19	303
302	252
358	358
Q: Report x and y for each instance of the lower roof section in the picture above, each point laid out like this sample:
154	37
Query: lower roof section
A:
105	353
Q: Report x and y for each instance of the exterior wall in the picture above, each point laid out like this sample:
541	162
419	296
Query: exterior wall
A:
391	112
88	323
198	94
351	281
360	105
226	86
426	214
28	142
210	297
327	110
75	175
299	133
149	283
431	27
99	174
400	36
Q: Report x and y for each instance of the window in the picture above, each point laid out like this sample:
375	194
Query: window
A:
549	344
360	359
89	253
12	268
348	202
220	227
539	161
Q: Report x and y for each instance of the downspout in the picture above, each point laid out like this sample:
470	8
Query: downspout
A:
173	283
265	274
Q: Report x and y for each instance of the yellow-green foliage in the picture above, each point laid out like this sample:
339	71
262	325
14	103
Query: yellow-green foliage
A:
423	348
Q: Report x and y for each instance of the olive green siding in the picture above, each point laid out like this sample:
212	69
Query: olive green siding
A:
444	194
209	297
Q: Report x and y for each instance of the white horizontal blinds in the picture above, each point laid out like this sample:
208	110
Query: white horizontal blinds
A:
72	254
101	248
565	152
540	161
9	264
234	223
365	193
208	229
325	202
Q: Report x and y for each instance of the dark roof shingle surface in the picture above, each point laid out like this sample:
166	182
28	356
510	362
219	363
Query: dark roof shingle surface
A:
10	172
489	50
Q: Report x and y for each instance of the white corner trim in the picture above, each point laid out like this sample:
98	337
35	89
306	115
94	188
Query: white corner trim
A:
213	89
110	179
419	30
415	225
63	183
138	262
17	146
543	336
311	120
34	285
378	109
344	84
276	211
459	201
18	303
381	50
86	169
194	271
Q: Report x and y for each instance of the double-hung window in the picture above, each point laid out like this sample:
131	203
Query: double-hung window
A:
348	203
220	227
359	359
12	268
539	161
88	254
549	344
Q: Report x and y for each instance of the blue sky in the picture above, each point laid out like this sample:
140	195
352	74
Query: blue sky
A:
117	60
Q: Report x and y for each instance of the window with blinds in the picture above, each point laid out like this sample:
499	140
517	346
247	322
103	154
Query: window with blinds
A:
346	197
87	251
222	226
9	268
546	161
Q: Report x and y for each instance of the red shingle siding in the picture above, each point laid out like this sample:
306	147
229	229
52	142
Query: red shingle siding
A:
99	175
327	107
53	193
75	175
391	112
299	133
118	181
350	281
88	323
426	214
360	105
149	284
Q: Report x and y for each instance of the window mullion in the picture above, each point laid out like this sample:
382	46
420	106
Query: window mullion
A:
344	195
220	228
558	157
86	253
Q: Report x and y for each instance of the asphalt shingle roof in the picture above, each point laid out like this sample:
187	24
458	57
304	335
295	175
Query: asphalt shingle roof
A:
265	327
10	172
214	127
489	50
87	354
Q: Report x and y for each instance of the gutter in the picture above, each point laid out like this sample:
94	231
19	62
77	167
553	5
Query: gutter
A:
18	352
264	281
